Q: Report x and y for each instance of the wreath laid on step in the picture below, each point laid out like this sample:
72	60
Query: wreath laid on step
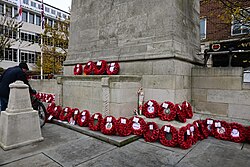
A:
185	138
167	111
108	125
100	67
208	125
123	126
187	109
113	68
65	114
88	68
221	130
138	125
180	114
95	122
151	132
191	127
78	69
50	98
50	108
198	129
73	119
238	133
150	109
56	112
83	118
168	136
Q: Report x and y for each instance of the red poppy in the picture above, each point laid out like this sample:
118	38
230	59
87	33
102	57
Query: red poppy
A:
83	118
167	111
221	130
74	115
151	132
65	114
150	109
185	138
238	132
100	67
78	69
180	114
50	108
187	108
123	126
168	136
201	129
88	68
108	125
208	125
138	125
193	132
113	68
95	122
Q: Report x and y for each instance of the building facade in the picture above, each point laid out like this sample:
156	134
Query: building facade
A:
224	38
27	47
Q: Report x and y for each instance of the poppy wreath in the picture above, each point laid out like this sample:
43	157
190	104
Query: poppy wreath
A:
151	132
193	133
83	118
248	133
138	125
100	67
123	126
185	138
201	130
108	125
187	108
65	114
168	136
50	108
208	125
73	119
150	109
56	112
180	114
49	98
88	68
238	132
113	68
78	69
95	122
221	130
167	111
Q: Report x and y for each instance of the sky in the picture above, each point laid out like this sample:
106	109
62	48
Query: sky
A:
61	4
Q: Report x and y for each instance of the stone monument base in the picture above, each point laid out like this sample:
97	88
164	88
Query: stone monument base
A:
19	129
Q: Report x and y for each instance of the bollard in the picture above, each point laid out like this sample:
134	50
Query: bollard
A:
19	124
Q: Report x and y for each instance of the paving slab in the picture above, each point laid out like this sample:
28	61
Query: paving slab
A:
208	154
112	139
137	154
223	143
246	146
54	135
78	151
32	161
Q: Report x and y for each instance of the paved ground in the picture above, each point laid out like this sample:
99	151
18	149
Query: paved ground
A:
65	147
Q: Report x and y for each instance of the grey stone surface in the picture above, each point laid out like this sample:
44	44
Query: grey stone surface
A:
33	160
239	111
208	154
136	154
217	72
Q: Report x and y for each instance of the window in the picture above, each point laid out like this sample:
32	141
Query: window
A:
26	2
16	14
8	11
31	18
59	14
53	11
39	6
25	16
64	16
241	25
46	9
203	28
50	22
38	20
33	4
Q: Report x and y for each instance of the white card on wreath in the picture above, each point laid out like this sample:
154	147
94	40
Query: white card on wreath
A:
209	122
186	104
151	127
112	64
150	103
99	63
109	119
165	105
123	121
76	112
89	63
167	129
191	128
217	124
136	120
179	107
66	109
96	116
83	113
111	69
50	117
188	132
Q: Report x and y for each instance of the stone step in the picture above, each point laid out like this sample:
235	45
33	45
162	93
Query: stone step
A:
112	139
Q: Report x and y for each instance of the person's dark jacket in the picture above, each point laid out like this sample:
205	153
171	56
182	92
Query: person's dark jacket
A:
9	76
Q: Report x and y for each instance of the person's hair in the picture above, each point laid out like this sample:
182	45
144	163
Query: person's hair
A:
23	65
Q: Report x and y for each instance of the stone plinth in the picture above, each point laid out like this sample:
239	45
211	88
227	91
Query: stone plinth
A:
19	124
